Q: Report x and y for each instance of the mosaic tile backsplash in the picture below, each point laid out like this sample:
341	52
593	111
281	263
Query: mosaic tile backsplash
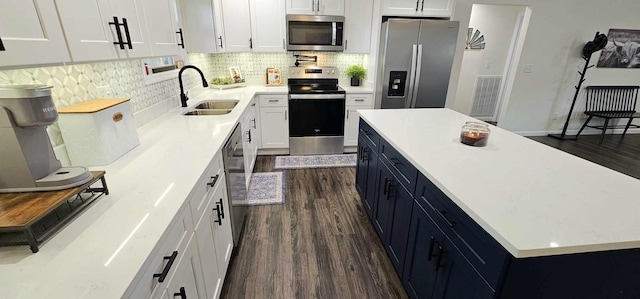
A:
254	65
78	83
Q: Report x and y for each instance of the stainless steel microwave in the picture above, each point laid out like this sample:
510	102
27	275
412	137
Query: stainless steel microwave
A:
315	33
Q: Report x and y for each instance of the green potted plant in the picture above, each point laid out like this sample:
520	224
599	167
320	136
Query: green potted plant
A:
357	73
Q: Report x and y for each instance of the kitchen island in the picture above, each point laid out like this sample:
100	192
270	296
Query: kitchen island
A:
515	219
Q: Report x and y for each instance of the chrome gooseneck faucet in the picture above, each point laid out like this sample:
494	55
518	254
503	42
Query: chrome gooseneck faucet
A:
183	97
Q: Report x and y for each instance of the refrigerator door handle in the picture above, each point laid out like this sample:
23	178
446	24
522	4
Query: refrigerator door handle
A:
412	77
414	99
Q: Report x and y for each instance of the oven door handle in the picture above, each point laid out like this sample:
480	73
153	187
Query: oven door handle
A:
317	97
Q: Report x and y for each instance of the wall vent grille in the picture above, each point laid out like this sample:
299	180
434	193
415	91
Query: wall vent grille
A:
486	94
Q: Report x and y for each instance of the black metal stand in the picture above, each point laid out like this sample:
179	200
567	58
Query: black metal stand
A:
587	52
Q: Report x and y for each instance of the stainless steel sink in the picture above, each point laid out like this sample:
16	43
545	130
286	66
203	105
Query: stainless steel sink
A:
217	105
208	112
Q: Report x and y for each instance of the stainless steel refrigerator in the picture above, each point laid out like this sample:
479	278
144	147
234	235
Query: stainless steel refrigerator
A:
415	60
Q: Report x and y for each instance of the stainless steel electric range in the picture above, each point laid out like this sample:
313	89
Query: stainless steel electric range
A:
316	111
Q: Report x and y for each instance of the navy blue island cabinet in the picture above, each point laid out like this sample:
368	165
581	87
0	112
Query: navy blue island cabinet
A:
438	251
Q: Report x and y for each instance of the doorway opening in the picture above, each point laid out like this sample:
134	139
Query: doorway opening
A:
495	39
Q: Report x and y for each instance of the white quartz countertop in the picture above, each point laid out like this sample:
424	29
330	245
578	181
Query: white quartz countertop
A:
533	199
99	253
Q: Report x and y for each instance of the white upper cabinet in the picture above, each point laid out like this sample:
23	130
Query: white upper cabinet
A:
88	32
433	8
201	32
237	25
30	33
134	13
313	7
358	20
164	27
268	27
93	34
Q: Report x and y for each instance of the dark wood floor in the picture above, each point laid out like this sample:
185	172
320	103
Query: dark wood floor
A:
319	244
615	152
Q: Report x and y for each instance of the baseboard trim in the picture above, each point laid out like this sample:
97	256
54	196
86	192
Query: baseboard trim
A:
574	132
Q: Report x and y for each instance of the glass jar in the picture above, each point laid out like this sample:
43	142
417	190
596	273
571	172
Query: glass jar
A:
475	133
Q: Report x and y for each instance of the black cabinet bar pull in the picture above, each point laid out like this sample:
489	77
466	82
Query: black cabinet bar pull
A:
163	275
360	153
214	179
116	23
220	38
181	44
417	4
221	208
386	185
126	33
365	152
217	209
440	254
182	294
2	45
422	8
395	161
250	43
441	214
432	244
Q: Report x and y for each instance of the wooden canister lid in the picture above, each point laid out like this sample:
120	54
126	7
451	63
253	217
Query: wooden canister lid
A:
92	106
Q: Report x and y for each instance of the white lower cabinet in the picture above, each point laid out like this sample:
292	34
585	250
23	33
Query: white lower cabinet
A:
215	240
250	139
274	121
187	281
192	260
354	102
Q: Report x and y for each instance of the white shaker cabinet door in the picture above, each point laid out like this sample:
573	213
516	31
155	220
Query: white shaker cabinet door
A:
133	11
331	7
301	7
30	33
208	255
268	27
275	127
200	32
351	123
237	25
187	281
88	33
357	26
162	26
223	235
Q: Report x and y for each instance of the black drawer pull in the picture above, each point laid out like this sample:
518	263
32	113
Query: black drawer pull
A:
432	244
440	254
2	46
221	208
182	294
217	209
395	161
441	214
213	181
162	276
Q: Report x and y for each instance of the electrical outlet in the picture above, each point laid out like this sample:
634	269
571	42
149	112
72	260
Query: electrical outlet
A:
104	91
528	68
487	65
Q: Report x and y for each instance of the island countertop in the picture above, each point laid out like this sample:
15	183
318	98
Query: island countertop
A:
533	199
98	254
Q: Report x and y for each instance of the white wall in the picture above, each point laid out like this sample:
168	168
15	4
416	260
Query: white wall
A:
496	23
556	34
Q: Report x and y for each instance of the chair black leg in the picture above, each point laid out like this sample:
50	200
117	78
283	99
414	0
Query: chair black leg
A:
627	127
584	126
604	129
